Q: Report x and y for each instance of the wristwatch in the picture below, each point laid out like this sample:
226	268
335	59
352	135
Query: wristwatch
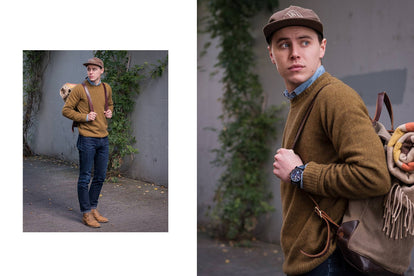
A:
296	176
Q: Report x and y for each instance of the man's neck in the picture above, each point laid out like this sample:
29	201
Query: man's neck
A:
95	83
299	89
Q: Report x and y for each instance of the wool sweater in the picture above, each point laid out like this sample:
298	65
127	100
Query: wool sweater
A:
77	107
345	160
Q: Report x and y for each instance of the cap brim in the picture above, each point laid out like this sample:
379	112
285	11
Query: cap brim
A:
86	64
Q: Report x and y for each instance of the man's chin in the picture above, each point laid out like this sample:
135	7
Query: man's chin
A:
296	82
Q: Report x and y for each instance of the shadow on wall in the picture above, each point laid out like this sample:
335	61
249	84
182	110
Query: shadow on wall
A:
369	85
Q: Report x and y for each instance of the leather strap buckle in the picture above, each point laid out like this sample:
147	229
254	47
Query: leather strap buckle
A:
318	211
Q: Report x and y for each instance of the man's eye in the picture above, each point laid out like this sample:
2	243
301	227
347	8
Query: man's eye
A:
305	43
284	45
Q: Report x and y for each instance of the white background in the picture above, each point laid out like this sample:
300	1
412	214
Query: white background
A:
91	25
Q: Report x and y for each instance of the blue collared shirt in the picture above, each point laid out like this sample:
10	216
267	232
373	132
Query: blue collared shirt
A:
92	83
304	85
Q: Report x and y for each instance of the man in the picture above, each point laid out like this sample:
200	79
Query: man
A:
338	156
92	142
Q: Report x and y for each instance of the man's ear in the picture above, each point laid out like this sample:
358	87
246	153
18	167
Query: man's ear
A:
322	48
271	55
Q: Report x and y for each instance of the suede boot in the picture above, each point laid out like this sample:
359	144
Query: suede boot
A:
98	216
90	221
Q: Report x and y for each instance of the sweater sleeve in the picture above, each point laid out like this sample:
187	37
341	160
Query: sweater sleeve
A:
70	110
360	169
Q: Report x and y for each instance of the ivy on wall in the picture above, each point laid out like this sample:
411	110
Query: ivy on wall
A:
33	69
125	81
242	194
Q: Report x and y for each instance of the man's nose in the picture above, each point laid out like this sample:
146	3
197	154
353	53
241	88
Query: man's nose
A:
294	53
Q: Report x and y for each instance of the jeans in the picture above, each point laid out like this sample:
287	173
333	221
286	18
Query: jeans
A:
335	265
92	152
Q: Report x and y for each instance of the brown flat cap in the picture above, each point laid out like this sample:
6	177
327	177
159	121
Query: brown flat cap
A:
94	61
292	16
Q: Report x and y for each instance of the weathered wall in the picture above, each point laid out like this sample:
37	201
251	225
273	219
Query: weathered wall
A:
150	126
52	133
369	47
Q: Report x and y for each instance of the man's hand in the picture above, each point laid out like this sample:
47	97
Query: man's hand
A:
108	114
91	116
285	161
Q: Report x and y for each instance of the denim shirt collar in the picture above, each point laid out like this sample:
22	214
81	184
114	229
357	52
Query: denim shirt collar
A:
304	85
92	83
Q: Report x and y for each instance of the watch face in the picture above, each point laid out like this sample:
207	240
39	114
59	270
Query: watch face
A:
296	175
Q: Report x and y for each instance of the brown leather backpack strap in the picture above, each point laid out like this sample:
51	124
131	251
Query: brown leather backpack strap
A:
106	97
302	124
305	118
328	220
88	96
381	99
322	214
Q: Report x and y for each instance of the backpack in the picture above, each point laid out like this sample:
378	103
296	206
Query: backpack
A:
67	89
377	234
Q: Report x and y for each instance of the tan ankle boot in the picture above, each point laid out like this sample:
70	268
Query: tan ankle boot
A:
90	221
98	216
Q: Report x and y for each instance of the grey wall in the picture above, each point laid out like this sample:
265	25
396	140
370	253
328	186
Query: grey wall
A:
370	47
52	134
150	121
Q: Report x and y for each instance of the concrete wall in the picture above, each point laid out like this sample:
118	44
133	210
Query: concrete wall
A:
52	134
150	126
369	47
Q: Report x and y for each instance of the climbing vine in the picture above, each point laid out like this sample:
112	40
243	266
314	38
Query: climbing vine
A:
242	194
125	81
33	68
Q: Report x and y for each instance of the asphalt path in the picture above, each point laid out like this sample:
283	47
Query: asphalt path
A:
218	258
50	201
50	204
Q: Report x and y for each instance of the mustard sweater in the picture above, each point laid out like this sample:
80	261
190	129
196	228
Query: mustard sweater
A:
345	158
78	99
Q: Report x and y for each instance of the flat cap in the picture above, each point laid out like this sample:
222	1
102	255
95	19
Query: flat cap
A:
292	16
94	61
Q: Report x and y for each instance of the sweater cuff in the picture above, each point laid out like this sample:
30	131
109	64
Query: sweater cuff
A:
301	179
311	177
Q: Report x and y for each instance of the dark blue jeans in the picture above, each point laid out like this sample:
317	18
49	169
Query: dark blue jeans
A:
335	265
93	152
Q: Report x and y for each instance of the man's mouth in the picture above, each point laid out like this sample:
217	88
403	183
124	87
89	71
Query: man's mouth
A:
296	67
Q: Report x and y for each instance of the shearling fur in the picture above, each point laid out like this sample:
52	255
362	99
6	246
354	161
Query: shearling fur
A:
66	89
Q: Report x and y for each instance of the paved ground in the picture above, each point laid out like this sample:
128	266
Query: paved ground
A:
216	258
50	201
50	205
